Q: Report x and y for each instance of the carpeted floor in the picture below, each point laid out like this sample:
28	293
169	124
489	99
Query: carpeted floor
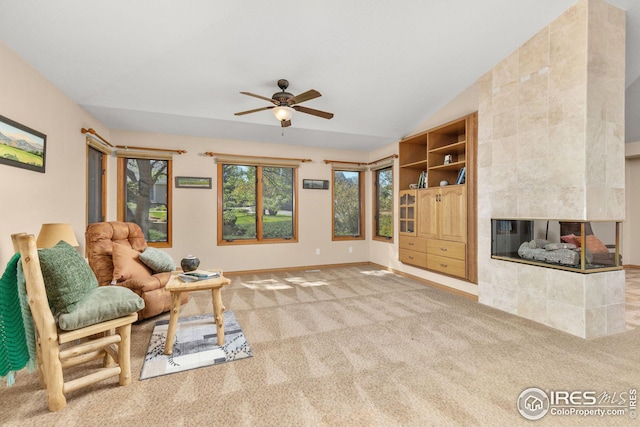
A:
352	346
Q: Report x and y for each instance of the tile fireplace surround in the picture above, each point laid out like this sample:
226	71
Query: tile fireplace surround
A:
551	145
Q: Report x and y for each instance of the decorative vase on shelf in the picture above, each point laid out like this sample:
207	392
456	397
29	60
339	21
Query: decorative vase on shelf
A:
189	263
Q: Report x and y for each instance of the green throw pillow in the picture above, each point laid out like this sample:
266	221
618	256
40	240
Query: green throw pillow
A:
99	305
157	260
67	277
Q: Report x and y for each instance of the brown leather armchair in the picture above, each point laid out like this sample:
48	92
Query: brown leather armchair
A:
100	240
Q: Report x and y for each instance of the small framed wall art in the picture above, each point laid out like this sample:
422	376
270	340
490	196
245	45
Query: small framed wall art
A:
315	184
21	146
192	182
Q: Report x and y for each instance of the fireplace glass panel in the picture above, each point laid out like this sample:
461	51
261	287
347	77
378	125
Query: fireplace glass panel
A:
582	246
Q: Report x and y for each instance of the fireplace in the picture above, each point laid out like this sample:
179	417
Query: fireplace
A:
579	246
551	146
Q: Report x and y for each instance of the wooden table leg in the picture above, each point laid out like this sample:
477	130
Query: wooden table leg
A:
218	310
173	323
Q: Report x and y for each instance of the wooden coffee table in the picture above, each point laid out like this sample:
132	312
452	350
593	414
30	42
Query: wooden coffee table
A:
176	286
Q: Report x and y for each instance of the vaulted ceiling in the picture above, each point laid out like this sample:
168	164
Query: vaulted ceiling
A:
383	67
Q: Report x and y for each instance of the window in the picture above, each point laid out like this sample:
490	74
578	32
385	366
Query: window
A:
348	201
144	197
96	178
257	204
383	204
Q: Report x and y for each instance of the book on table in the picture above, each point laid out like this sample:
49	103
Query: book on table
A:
191	276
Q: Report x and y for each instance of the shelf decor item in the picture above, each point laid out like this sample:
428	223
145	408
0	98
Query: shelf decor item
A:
21	146
422	180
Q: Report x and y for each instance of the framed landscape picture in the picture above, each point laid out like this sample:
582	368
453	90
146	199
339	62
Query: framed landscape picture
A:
192	182
21	146
316	184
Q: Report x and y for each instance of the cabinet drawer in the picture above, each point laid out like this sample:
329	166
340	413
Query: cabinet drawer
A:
445	248
413	244
418	259
450	266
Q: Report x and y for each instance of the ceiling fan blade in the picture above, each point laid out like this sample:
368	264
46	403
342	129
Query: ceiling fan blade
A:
242	113
313	112
285	123
305	96
260	97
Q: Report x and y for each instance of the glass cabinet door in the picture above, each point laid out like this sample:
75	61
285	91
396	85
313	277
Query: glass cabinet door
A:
407	209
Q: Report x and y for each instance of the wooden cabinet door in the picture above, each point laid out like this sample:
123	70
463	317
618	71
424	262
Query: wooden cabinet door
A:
453	213
428	213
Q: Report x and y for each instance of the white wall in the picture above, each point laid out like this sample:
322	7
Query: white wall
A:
632	111
59	195
630	230
29	198
195	210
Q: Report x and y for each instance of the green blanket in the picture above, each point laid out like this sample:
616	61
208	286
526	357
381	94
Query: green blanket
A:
17	337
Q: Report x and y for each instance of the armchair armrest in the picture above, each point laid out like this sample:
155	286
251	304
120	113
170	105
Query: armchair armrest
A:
147	283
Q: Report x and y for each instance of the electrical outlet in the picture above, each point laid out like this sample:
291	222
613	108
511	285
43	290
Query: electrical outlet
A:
350	250
317	251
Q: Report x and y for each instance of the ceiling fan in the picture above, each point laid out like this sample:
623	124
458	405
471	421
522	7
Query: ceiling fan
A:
286	103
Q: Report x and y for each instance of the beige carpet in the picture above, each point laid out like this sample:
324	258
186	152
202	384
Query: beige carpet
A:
351	346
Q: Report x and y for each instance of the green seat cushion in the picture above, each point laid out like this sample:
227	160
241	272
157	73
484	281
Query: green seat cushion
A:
67	277
157	260
99	305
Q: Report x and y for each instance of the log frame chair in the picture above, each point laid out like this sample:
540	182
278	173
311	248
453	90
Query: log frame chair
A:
56	349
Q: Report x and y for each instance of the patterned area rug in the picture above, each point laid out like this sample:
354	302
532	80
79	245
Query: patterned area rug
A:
196	345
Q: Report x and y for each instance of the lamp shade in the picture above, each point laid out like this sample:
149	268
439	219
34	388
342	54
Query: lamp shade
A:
283	113
51	234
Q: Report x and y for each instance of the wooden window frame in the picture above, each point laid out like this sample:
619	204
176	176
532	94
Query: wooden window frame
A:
361	193
375	177
259	240
122	196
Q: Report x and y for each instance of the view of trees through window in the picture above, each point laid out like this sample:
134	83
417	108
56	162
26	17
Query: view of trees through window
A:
96	176
383	219
257	202
146	199
347	204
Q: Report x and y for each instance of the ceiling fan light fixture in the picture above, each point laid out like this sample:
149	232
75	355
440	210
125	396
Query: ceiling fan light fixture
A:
283	113
283	102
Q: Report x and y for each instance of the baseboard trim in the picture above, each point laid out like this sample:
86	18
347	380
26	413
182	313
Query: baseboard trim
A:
429	283
631	266
308	267
355	264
